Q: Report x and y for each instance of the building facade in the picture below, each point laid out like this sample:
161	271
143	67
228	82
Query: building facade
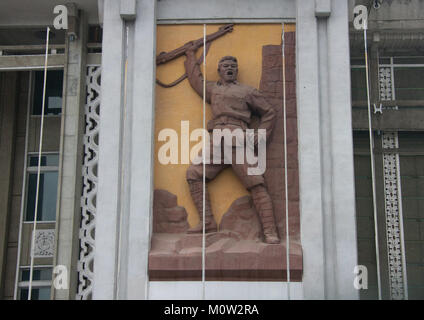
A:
111	216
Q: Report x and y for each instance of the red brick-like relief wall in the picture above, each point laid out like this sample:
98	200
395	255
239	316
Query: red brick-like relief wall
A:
272	86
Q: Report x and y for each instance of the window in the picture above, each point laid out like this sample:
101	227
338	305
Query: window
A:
54	87
365	213
46	210
412	177
41	283
359	89
399	82
407	77
409	83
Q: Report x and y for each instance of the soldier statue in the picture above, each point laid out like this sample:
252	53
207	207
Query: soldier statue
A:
232	104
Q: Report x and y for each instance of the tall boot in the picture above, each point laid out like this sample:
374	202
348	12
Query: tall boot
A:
196	190
263	205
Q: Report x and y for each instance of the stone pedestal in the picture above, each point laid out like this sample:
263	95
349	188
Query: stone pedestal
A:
235	253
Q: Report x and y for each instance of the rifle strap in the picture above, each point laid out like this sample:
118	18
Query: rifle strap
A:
184	76
172	84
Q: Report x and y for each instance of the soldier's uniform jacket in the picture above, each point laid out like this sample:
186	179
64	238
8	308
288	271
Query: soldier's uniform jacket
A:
232	104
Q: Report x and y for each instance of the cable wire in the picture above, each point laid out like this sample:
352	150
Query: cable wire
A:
204	166
285	165
40	147
374	197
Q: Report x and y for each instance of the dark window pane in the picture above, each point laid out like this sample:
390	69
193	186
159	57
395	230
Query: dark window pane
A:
384	60
412	179
36	294
95	34
37	274
46	210
409	84
408	60
412	140
46	160
43	293
357	61
365	218
23	294
359	88
54	88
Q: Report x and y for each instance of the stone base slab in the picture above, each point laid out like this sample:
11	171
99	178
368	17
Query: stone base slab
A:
178	257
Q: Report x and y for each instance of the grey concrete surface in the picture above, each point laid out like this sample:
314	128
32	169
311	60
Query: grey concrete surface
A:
71	153
203	10
402	120
126	154
109	167
327	199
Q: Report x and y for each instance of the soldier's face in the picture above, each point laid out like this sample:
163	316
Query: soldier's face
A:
228	70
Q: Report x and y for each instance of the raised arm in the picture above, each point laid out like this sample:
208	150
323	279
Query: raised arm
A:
195	76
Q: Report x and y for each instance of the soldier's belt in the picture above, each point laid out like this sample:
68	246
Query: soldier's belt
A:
226	120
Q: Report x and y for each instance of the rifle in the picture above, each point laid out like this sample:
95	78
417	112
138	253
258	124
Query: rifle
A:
164	57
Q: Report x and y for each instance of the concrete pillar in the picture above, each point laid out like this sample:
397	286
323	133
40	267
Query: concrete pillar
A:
109	154
70	165
125	188
142	138
327	197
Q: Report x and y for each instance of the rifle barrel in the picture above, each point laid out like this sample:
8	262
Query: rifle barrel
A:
164	57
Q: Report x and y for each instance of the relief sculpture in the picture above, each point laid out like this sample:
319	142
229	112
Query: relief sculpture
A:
247	244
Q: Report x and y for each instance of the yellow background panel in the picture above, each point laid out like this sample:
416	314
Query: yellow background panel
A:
181	103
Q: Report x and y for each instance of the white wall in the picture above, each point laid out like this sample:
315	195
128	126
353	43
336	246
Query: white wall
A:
325	150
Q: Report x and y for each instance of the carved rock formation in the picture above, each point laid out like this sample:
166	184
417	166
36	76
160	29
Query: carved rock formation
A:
242	219
168	217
